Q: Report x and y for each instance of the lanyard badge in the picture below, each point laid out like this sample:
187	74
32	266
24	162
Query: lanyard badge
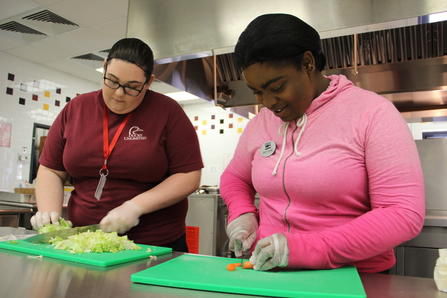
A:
107	150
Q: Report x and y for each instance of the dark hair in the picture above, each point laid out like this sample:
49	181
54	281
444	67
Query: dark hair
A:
278	38
135	51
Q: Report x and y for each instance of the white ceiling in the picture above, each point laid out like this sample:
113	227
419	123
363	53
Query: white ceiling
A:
101	24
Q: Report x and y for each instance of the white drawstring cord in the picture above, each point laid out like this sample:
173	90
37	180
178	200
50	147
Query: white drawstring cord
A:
300	123
283	147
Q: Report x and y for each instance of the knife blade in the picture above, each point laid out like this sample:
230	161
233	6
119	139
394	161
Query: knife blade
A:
245	256
64	234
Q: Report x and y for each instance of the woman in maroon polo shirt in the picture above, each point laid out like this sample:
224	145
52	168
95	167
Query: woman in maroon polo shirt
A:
132	154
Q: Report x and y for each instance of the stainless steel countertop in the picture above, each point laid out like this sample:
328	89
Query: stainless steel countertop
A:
24	276
17	200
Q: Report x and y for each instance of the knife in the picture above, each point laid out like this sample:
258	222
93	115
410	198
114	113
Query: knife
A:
245	256
64	234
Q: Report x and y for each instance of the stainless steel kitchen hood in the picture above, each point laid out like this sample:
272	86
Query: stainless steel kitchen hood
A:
193	41
176	28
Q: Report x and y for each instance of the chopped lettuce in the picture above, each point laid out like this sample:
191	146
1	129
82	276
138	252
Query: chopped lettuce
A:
97	241
61	225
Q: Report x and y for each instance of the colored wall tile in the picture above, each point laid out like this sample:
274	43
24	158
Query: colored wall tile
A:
67	99
196	118
240	130
11	77
58	90
46	107
35	97
204	122
221	131
230	116
230	125
57	103
204	132
213	126
21	101
196	127
47	93
9	91
221	121
240	119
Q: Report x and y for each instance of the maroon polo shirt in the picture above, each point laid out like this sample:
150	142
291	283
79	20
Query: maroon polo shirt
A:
158	141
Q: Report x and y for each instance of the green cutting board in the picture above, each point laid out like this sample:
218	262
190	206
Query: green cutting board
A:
96	259
209	273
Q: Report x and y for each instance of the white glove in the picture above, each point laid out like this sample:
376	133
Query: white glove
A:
40	219
440	272
242	233
122	218
270	252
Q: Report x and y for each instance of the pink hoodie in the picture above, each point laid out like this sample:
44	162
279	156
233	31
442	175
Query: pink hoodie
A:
344	185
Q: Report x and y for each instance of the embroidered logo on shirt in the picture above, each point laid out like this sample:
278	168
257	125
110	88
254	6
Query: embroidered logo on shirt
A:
135	133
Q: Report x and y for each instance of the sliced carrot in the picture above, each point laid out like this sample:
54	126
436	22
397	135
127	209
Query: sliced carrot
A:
233	266
247	265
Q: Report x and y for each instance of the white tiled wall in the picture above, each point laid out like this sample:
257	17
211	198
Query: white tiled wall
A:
29	79
218	137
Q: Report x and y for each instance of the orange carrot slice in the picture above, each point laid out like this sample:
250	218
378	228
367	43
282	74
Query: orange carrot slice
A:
247	265
233	266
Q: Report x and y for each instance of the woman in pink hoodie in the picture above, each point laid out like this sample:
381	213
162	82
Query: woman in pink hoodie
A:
335	166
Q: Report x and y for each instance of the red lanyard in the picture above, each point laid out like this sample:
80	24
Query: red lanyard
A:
108	148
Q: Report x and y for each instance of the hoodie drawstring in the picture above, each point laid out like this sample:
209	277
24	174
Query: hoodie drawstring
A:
283	147
299	123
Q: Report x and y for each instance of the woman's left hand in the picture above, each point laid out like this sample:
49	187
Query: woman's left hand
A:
270	252
122	218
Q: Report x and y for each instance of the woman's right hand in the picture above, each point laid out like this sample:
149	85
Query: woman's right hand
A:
242	233
43	218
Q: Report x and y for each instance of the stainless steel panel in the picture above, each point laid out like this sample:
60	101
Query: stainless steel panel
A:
417	257
431	237
202	213
436	218
433	156
399	267
176	28
420	261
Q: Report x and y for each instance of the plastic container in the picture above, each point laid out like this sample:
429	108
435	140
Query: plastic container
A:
440	273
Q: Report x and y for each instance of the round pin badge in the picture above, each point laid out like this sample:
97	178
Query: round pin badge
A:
268	148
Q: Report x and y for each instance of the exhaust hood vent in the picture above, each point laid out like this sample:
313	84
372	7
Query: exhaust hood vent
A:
388	46
380	47
19	28
90	60
50	17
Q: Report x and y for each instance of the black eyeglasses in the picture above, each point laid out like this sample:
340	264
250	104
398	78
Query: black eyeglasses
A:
127	89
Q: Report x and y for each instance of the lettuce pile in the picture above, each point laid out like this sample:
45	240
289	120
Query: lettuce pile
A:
62	225
97	241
